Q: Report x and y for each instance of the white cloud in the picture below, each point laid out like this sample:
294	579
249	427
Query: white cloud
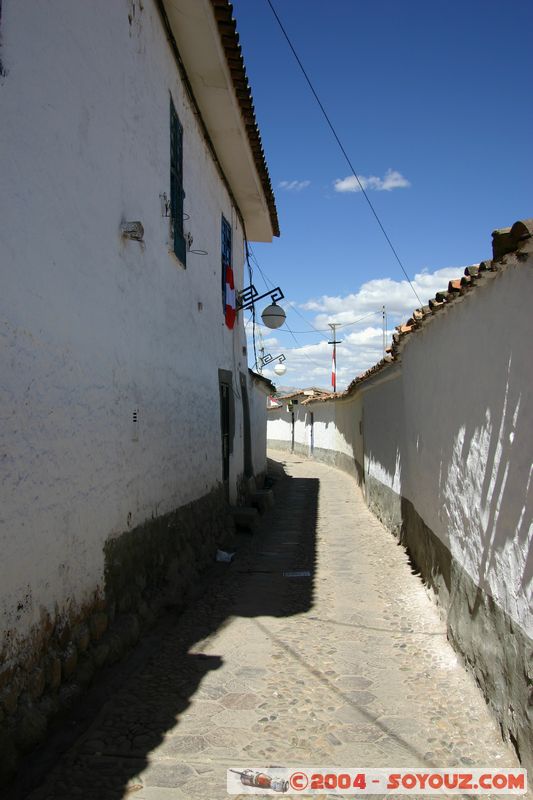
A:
391	180
397	297
293	186
361	343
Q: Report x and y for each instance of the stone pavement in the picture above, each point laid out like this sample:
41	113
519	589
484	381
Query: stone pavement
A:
348	667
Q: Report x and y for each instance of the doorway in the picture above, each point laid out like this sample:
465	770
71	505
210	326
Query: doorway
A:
247	437
227	423
225	431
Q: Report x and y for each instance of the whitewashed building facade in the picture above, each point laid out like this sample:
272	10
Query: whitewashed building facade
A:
132	173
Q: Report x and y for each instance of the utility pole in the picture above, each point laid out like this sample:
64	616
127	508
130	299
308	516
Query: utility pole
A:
384	331
333	326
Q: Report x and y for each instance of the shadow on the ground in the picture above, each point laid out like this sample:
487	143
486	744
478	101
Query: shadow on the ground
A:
105	760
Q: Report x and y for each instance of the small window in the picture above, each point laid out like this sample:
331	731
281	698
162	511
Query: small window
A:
176	185
226	257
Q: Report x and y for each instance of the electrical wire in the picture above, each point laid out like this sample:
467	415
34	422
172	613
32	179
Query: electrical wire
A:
339	324
250	278
317	330
345	154
355	321
300	346
267	280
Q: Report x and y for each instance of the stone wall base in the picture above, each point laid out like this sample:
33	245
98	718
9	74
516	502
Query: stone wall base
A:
146	569
384	503
279	444
493	647
342	461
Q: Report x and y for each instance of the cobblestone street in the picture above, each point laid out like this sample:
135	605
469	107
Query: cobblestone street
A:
348	667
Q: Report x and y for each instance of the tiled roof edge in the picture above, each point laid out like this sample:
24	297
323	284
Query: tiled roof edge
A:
227	28
302	392
258	377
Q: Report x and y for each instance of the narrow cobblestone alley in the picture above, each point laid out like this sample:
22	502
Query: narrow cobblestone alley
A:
349	667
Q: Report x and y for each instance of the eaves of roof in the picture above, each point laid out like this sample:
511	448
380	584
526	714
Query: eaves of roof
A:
203	38
517	240
303	393
227	28
261	379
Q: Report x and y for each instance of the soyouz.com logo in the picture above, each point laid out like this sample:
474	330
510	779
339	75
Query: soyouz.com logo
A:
309	781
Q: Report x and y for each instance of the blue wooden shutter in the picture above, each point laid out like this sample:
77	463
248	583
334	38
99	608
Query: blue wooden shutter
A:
176	184
226	257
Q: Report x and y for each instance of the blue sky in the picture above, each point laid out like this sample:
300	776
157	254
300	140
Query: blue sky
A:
432	101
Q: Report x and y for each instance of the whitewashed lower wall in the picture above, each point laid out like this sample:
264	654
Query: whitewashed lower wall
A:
323	427
468	411
279	425
329	431
384	436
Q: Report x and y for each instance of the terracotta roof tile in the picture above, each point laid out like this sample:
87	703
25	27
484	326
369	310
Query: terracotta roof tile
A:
257	377
436	304
227	28
405	328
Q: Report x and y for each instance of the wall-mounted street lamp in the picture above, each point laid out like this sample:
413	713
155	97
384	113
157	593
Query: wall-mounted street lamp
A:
280	368
273	315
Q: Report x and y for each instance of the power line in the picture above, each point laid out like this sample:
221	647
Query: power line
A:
251	280
267	280
320	331
315	330
300	346
345	154
355	321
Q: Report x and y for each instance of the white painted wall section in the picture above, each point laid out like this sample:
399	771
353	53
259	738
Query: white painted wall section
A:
94	328
258	394
279	424
469	454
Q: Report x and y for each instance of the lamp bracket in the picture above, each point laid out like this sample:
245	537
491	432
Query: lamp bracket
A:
249	297
268	358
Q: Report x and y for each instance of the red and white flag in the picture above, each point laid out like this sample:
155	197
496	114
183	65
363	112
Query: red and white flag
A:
333	372
231	312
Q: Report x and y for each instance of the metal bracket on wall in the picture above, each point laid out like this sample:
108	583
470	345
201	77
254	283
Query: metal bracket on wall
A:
249	296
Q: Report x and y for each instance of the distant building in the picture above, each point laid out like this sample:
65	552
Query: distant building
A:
284	431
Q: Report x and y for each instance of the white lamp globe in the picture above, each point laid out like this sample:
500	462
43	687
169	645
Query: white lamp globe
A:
280	369
273	316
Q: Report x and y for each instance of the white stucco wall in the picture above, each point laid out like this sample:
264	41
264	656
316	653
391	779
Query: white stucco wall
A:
349	427
94	327
323	425
279	424
301	433
452	434
258	394
450	429
468	406
384	430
